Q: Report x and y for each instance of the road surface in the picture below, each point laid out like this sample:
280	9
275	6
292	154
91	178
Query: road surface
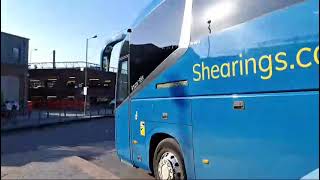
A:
79	150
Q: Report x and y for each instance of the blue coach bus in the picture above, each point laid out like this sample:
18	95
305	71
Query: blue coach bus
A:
220	89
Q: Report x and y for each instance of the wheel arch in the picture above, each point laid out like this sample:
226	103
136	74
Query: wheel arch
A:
181	134
155	139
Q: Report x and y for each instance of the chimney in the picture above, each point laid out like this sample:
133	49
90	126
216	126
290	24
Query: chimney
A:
54	59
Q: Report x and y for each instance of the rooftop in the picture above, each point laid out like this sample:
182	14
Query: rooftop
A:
67	65
5	33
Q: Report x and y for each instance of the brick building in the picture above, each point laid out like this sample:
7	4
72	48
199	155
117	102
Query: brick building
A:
64	81
14	68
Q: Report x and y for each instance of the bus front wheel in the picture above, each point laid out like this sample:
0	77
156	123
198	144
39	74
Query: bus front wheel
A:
168	161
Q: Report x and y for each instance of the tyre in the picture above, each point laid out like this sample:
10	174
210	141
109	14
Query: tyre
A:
168	161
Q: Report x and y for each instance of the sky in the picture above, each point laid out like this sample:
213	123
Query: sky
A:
64	25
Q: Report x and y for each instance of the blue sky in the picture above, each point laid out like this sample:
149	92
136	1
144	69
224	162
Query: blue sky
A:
64	25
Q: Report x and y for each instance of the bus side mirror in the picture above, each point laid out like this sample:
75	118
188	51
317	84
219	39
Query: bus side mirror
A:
209	27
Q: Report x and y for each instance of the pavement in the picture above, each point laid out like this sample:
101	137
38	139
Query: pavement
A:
46	118
61	169
79	150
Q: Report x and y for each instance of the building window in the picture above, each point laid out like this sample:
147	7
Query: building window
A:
70	98
102	99
51	98
35	84
51	83
71	84
16	54
107	83
94	82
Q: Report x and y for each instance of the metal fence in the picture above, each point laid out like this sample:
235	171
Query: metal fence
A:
40	117
68	65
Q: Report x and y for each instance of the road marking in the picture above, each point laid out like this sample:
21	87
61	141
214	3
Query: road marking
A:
90	168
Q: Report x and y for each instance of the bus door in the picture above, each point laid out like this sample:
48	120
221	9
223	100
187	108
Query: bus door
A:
122	117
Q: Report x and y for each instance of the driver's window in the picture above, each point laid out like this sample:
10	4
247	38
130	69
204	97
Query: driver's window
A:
122	81
154	39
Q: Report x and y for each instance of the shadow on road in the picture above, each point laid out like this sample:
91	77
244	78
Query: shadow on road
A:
88	139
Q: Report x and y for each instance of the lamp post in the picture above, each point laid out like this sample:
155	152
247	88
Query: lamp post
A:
85	89
31	54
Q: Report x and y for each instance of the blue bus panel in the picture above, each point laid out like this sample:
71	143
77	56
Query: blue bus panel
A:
245	98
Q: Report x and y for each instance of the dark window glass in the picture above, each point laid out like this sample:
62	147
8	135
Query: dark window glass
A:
105	65
124	49
94	82
51	84
154	39
35	84
16	54
210	16
71	84
122	82
107	84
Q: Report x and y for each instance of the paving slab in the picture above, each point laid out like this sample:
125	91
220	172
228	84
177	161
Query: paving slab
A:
46	170
90	168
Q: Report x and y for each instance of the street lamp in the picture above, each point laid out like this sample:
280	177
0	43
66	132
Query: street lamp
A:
85	88
31	54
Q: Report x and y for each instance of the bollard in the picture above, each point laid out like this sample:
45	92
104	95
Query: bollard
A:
60	119
39	117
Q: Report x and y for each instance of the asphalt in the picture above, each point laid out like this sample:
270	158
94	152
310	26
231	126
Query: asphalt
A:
71	134
55	152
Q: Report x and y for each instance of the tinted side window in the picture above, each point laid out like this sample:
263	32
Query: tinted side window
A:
122	82
154	39
210	16
124	49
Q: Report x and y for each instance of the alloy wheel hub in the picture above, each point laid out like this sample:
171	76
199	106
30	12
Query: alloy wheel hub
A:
169	166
